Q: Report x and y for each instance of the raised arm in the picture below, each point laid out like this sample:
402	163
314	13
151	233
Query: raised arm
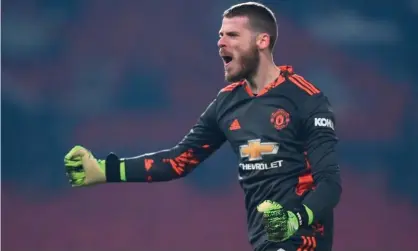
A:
203	139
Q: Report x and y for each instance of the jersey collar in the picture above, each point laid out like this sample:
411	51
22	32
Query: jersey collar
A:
284	70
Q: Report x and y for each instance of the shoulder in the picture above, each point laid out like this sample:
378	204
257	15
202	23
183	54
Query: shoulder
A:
231	87
297	83
229	91
301	89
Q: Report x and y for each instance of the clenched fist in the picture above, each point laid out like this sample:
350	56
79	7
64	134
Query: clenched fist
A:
83	169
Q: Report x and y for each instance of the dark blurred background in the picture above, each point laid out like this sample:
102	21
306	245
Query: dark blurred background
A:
132	76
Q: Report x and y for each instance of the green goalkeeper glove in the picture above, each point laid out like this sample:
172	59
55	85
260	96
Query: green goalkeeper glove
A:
280	223
83	169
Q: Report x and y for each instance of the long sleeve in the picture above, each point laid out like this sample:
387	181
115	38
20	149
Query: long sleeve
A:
203	139
321	141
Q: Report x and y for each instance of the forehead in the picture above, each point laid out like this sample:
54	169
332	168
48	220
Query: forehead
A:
238	23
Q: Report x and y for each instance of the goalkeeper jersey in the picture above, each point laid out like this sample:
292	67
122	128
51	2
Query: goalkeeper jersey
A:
284	139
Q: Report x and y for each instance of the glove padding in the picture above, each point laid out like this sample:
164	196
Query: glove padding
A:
280	224
82	168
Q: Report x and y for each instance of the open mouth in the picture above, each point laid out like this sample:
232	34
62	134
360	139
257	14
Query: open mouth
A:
226	59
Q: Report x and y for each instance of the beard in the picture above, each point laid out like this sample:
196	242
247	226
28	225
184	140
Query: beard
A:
248	64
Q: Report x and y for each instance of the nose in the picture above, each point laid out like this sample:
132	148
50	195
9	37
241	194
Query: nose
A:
221	42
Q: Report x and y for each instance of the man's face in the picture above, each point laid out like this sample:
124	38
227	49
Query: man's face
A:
238	49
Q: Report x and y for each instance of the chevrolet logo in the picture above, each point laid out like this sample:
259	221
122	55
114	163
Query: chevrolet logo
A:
255	149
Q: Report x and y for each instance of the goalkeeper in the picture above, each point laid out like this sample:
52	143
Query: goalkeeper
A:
280	126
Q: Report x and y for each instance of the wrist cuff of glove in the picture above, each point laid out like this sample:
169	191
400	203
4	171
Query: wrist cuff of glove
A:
304	215
310	214
115	169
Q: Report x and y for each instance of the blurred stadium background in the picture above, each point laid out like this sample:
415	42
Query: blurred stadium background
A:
133	76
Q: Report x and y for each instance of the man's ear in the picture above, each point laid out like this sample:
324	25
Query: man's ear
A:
263	41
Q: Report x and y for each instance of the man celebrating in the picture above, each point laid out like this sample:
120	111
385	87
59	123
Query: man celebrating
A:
279	125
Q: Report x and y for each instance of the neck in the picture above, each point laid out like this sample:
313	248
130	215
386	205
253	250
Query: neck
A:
266	73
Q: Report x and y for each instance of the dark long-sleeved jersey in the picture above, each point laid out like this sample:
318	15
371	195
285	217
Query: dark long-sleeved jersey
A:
285	142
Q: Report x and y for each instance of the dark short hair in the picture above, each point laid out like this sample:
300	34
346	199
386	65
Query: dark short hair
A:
260	17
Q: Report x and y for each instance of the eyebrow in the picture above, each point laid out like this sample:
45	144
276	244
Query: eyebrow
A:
229	33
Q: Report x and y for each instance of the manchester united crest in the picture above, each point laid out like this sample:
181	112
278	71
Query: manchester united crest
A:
280	119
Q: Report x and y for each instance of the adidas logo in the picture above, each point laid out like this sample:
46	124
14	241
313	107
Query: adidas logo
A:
234	125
